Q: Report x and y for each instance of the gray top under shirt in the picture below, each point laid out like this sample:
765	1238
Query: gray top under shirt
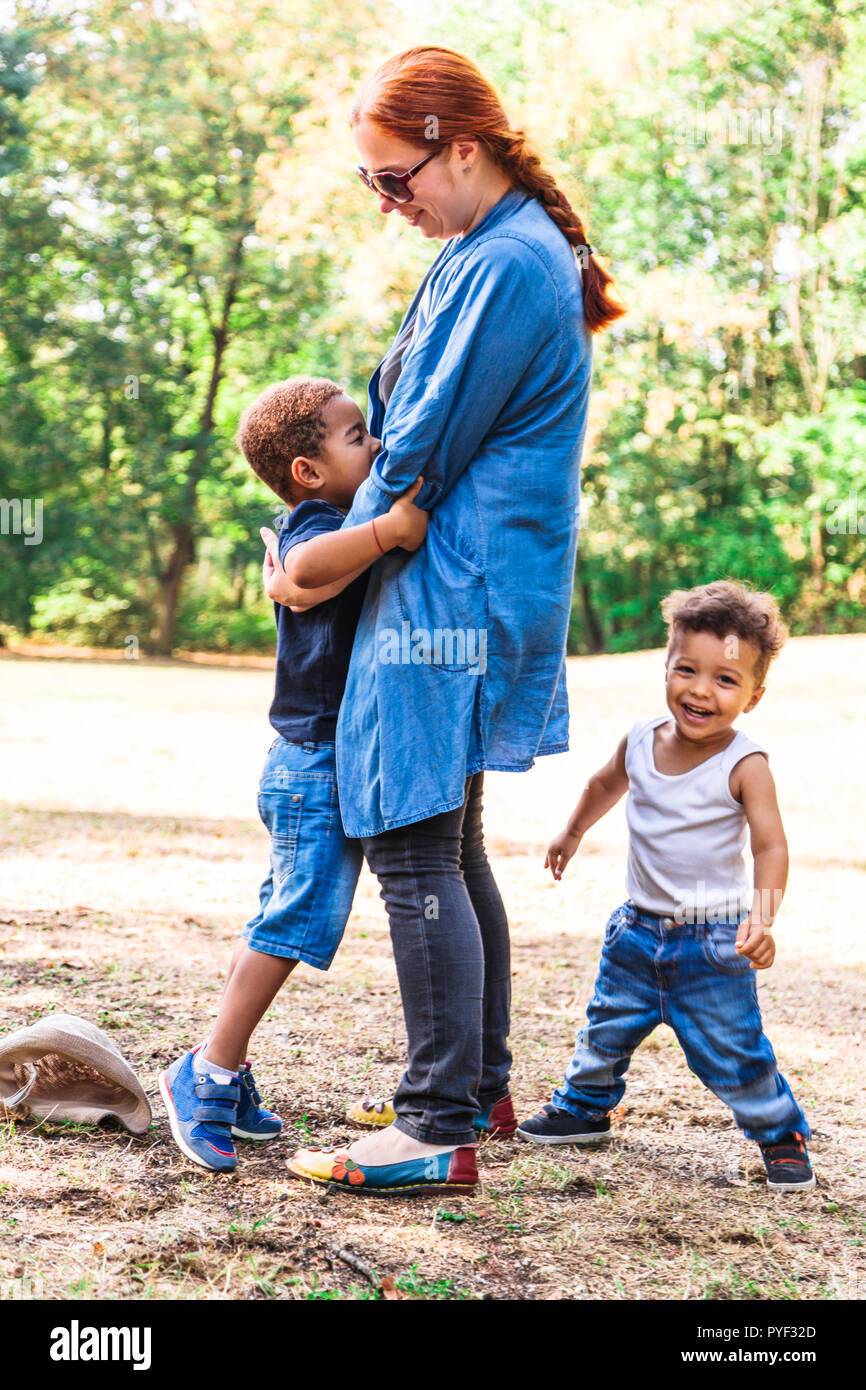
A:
392	363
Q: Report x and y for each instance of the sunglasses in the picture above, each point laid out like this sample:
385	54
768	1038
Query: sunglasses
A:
394	186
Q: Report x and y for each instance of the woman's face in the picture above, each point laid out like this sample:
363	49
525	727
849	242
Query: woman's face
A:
445	198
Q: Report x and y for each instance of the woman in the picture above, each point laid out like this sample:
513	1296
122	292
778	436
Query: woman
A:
458	663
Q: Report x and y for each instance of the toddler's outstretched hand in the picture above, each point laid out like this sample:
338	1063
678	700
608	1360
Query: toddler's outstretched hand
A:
756	942
561	848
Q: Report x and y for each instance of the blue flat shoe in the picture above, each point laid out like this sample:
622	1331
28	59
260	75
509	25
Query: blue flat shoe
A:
455	1172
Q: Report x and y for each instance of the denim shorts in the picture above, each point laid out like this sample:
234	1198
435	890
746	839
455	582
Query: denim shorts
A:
306	899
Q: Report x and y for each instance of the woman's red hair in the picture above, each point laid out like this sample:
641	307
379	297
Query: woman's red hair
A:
435	89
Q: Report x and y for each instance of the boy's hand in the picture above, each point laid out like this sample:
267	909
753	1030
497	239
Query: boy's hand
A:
561	848
756	941
410	521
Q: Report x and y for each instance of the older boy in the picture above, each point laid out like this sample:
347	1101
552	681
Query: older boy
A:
308	441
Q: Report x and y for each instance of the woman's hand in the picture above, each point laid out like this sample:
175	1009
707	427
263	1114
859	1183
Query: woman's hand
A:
410	522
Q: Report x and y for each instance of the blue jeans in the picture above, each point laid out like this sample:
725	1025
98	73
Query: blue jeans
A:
306	899
449	931
654	971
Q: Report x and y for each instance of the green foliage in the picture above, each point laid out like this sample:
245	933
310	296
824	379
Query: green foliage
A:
83	612
152	288
156	280
730	408
206	624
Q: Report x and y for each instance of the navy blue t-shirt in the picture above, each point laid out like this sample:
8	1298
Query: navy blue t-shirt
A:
313	648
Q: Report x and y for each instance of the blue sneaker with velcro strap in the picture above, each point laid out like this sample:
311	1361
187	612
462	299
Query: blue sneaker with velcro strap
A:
253	1120
201	1113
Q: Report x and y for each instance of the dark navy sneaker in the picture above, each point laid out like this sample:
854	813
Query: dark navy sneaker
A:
201	1113
787	1164
253	1120
554	1126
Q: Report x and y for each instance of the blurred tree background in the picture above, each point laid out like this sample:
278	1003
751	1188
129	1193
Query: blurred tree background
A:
180	226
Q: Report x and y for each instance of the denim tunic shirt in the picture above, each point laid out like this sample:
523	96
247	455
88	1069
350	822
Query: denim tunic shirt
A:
458	662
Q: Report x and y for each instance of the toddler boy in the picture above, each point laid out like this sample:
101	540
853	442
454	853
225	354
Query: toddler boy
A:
684	947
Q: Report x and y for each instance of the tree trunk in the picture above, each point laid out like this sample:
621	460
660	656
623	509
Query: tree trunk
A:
591	625
170	580
169	585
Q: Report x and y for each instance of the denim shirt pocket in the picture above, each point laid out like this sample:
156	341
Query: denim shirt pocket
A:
442	595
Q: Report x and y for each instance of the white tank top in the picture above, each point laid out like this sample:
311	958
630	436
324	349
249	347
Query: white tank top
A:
686	832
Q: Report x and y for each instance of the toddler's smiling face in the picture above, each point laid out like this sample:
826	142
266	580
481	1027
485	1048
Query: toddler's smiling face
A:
710	681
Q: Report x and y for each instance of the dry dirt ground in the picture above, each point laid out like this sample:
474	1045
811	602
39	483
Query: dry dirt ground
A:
130	856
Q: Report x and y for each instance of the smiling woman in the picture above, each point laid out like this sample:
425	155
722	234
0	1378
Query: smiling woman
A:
483	394
434	97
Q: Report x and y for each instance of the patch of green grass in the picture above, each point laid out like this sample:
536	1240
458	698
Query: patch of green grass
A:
82	1287
60	1126
511	1205
796	1223
265	1283
244	1229
774	1284
360	1293
540	1170
456	1216
438	1289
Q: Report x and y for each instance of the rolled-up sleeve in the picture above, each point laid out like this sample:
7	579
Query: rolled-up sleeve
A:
463	365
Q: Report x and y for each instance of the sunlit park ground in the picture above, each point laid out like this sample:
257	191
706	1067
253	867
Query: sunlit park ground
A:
131	856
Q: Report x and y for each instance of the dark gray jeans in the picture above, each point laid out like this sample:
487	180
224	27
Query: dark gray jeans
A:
449	931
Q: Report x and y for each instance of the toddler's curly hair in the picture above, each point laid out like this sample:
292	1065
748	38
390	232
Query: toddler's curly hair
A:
728	609
283	423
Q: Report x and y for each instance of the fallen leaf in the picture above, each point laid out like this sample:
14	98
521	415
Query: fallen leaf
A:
388	1289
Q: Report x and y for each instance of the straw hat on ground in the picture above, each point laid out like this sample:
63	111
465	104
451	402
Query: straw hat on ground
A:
64	1068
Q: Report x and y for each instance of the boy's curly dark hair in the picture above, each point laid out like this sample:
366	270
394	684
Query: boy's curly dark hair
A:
725	609
283	423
